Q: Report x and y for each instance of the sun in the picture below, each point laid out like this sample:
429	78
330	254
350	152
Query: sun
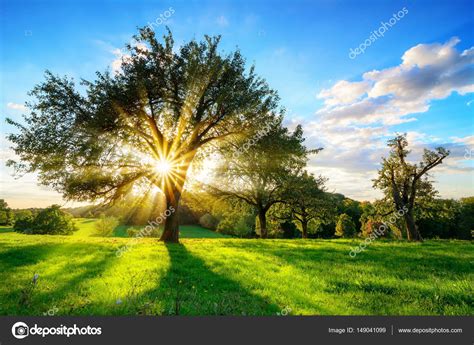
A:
163	167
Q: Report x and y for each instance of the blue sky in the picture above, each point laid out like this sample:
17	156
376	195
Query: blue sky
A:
302	49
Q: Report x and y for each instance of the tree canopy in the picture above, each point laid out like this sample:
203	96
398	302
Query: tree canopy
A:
143	126
406	184
260	174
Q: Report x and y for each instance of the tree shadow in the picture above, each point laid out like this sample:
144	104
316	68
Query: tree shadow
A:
60	279
15	257
190	287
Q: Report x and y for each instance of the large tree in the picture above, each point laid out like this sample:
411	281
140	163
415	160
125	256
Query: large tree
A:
142	126
407	184
260	173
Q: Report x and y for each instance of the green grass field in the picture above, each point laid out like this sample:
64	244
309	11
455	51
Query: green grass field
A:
82	275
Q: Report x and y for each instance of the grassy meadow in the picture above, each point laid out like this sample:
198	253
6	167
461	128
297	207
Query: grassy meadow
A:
209	274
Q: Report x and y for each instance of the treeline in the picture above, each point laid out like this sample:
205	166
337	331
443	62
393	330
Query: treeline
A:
440	218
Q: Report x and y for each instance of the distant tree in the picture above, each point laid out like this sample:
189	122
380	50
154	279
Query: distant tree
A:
51	221
142	127
466	224
375	227
259	174
105	226
22	214
345	227
353	209
405	184
307	200
6	214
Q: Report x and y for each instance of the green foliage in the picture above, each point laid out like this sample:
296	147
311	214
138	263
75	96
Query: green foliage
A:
159	91
6	214
466	223
376	228
259	174
447	218
353	209
236	224
51	221
345	227
406	185
208	221
24	225
23	214
306	201
288	229
105	226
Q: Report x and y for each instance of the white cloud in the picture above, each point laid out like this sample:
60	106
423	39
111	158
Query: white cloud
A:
468	141
428	72
15	106
344	92
355	122
122	57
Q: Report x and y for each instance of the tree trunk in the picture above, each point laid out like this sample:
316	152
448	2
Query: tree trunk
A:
173	195
171	231
262	218
412	231
304	225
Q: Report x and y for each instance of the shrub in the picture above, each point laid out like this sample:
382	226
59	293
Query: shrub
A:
345	227
236	225
147	232
24	225
371	227
105	226
51	221
208	221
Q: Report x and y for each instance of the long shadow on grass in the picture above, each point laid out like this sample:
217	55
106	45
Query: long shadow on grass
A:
190	287
15	257
399	261
371	275
63	276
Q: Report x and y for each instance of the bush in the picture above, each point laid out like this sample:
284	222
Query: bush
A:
105	226
345	227
24	225
371	227
236	225
51	221
208	221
